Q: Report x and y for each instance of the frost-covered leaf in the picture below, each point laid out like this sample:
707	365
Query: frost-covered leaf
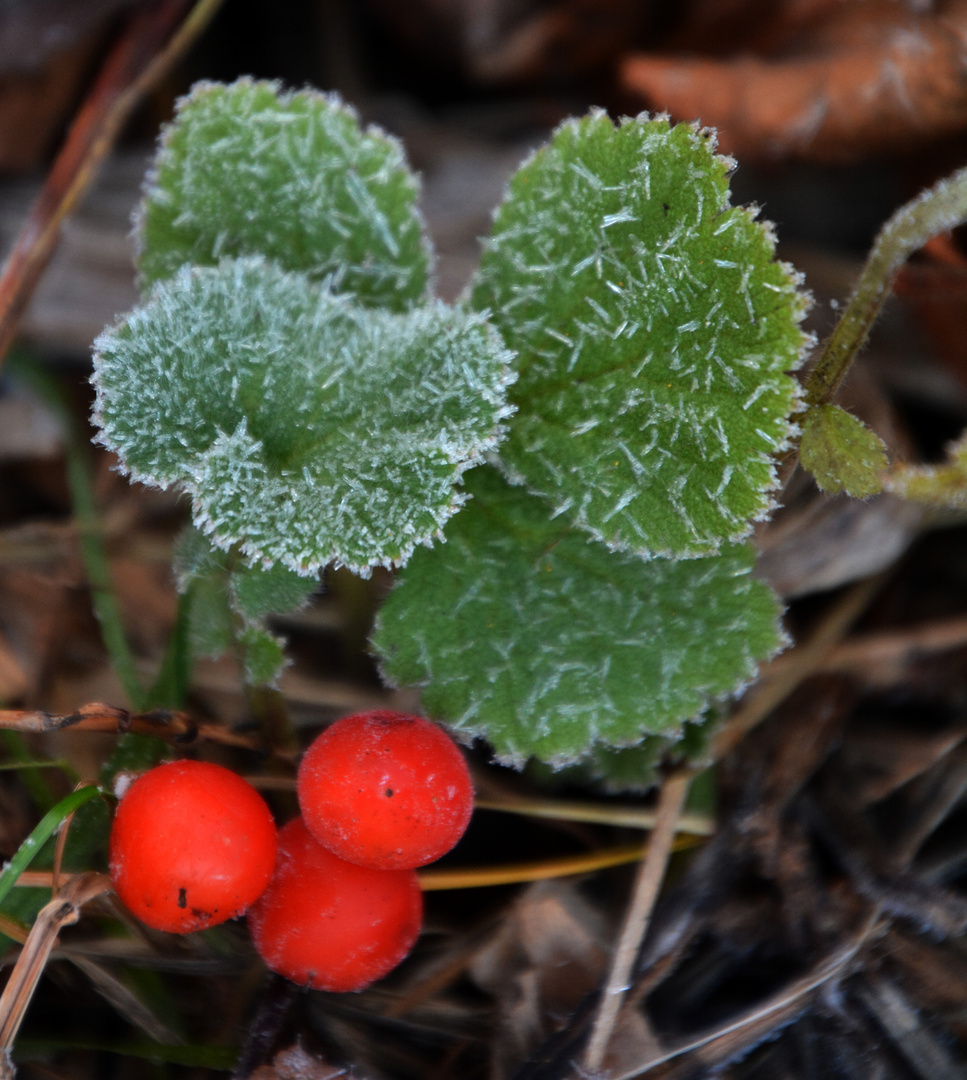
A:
841	452
257	591
253	591
936	485
523	630
614	769
654	330
306	429
263	655
248	169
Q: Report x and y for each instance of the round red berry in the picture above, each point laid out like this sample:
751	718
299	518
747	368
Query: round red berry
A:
192	845
385	790
329	924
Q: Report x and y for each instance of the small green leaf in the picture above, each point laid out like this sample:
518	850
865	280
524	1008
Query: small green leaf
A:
248	169
306	429
263	655
841	452
257	592
936	485
524	631
654	332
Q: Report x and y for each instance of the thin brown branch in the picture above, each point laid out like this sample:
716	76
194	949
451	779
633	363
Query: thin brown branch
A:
144	52
175	726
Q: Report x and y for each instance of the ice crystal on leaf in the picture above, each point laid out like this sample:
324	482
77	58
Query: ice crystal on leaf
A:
524	630
654	333
306	428
249	169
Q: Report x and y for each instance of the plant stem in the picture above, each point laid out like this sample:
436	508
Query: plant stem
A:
942	207
650	876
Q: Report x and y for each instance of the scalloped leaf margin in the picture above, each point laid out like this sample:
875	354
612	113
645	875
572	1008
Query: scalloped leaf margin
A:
523	630
248	169
306	429
654	331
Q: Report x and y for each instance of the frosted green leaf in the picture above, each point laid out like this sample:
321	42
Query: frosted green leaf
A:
252	591
522	630
841	452
257	592
943	485
307	430
627	768
263	655
654	331
248	169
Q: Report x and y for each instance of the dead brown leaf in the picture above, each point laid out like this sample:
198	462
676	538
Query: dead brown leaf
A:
869	78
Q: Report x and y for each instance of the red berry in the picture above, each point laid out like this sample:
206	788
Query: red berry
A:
386	790
192	845
330	924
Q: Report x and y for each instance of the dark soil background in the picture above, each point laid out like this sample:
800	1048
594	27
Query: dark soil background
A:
818	932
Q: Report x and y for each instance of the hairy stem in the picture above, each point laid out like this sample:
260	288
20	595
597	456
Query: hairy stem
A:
942	207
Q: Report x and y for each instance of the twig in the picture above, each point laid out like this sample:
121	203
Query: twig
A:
893	649
62	911
650	877
137	61
177	726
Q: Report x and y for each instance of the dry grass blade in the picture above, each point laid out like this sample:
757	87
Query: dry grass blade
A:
650	876
765	1017
777	684
63	910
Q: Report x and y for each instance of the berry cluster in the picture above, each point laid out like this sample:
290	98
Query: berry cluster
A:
333	899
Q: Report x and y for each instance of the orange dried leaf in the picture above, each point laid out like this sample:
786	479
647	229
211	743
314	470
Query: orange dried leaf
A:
840	98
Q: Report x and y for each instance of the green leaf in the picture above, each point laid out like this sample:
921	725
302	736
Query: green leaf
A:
841	452
263	655
307	429
654	331
258	592
522	630
607	769
249	169
936	485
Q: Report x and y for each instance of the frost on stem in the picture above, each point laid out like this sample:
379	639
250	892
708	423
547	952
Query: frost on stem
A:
249	169
523	630
654	331
306	428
